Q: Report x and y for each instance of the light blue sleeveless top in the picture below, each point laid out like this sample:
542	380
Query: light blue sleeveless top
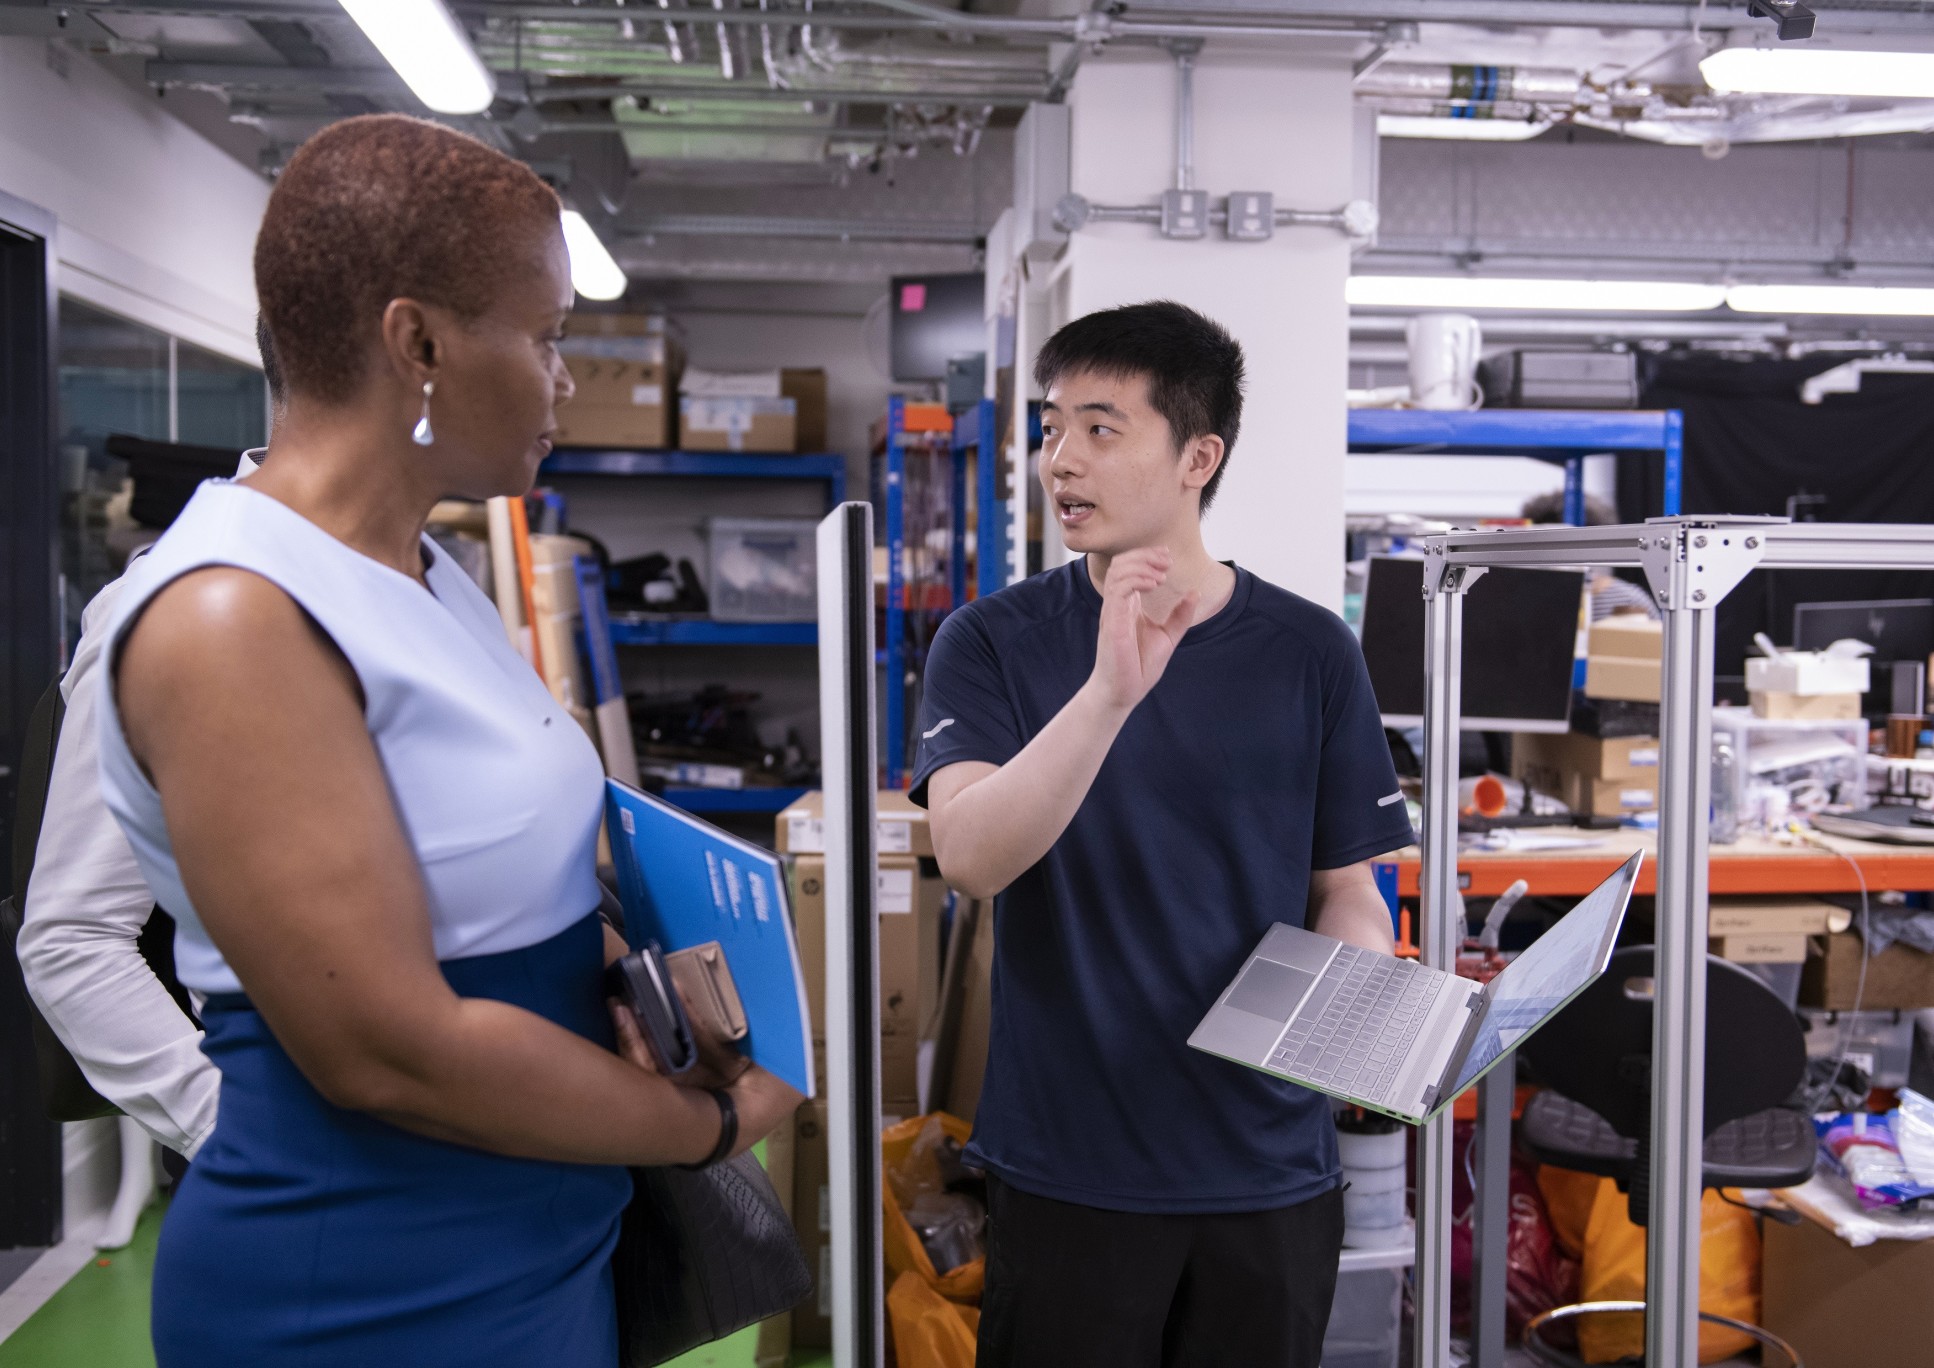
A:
499	791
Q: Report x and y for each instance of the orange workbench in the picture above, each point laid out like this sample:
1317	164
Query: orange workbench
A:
1750	865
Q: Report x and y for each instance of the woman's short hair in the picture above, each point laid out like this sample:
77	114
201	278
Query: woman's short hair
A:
385	207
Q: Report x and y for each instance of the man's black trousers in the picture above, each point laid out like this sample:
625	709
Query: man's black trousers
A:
1072	1286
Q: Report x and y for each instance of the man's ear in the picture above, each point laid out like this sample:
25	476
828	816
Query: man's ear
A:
1201	458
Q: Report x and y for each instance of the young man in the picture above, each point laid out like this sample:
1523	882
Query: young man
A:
1150	757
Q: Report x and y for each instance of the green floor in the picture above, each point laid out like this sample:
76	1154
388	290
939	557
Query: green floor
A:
100	1320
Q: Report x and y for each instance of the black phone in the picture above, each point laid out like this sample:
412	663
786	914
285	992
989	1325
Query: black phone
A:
642	982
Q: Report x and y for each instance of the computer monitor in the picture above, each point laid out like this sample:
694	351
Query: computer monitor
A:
1520	641
934	319
1897	629
1901	631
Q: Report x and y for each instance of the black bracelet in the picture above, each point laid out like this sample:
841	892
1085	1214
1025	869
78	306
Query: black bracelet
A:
728	1130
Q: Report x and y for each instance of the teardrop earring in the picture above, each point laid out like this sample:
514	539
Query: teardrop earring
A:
421	433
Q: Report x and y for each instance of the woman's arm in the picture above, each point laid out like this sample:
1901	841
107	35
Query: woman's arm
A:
249	721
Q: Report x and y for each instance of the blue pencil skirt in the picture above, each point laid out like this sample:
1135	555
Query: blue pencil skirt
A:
306	1236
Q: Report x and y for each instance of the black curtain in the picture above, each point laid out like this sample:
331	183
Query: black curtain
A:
1751	445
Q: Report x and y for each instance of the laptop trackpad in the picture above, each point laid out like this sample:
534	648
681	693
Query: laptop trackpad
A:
1268	989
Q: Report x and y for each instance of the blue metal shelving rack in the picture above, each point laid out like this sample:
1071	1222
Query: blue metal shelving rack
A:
1561	436
638	630
978	431
731	465
893	652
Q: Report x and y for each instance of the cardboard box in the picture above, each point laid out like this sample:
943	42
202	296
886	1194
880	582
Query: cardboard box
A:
1770	917
909	909
618	403
1623	757
812	1222
1842	1307
900	826
1898	978
1627	636
1808	672
773	1348
1589	797
1760	948
1622	677
737	423
1786	707
654	338
807	390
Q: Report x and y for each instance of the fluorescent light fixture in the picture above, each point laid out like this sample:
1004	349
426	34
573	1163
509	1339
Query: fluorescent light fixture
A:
1492	292
1832	299
593	273
429	50
1462	130
1820	71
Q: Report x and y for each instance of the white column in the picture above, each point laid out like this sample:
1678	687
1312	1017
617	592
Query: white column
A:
1267	117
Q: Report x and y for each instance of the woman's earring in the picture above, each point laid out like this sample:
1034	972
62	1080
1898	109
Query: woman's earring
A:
421	433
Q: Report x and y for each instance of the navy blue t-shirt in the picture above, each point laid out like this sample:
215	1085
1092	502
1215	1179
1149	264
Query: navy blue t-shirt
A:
1258	757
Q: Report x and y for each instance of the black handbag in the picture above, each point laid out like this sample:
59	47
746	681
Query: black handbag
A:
702	1253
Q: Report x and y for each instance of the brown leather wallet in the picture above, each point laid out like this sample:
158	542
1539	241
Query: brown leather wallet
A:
704	982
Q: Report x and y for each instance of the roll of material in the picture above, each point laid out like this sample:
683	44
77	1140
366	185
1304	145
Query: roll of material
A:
1365	1211
1369	1150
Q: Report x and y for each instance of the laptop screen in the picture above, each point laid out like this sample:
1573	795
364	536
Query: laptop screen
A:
1555	969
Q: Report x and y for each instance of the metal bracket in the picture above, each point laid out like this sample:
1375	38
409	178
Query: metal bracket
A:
1695	565
1442	578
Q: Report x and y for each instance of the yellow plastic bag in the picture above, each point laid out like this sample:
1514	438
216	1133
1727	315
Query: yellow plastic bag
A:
928	1330
1590	1214
904	1252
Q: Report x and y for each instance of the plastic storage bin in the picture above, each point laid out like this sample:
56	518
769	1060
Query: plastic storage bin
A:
1882	1042
763	569
1365	1319
1782	766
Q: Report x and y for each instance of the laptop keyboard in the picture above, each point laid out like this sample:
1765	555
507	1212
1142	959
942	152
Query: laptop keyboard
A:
1357	1043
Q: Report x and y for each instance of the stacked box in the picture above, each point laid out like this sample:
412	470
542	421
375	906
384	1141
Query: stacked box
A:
909	898
812	1222
1766	930
625	368
1594	776
1624	658
1899	977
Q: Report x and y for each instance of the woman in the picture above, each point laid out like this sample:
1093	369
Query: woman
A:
373	824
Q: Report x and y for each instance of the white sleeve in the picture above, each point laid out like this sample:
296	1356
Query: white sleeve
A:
85	908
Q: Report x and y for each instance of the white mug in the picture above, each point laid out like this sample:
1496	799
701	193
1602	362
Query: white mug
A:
1443	361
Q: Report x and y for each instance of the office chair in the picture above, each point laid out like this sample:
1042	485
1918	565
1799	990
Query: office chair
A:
1595	1115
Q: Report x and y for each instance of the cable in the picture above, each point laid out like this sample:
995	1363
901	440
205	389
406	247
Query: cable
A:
1813	838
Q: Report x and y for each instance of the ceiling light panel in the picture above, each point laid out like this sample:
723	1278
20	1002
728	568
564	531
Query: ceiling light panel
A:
594	274
1820	71
1532	293
429	50
1876	300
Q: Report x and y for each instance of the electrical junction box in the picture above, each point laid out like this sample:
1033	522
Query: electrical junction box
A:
1252	216
1185	213
1040	179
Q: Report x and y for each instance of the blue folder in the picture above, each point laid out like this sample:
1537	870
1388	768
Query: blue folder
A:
684	882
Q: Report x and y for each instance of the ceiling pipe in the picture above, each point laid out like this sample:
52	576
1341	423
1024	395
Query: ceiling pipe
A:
808	229
1472	83
1185	115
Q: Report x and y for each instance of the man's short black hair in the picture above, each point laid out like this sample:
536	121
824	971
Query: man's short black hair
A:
271	368
1192	365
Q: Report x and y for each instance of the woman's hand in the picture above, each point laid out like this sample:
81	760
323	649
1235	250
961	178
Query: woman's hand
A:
764	1101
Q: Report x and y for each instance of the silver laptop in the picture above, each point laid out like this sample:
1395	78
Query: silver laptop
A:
1390	1034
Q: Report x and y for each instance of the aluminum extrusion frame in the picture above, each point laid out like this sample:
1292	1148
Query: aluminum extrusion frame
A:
1691	564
